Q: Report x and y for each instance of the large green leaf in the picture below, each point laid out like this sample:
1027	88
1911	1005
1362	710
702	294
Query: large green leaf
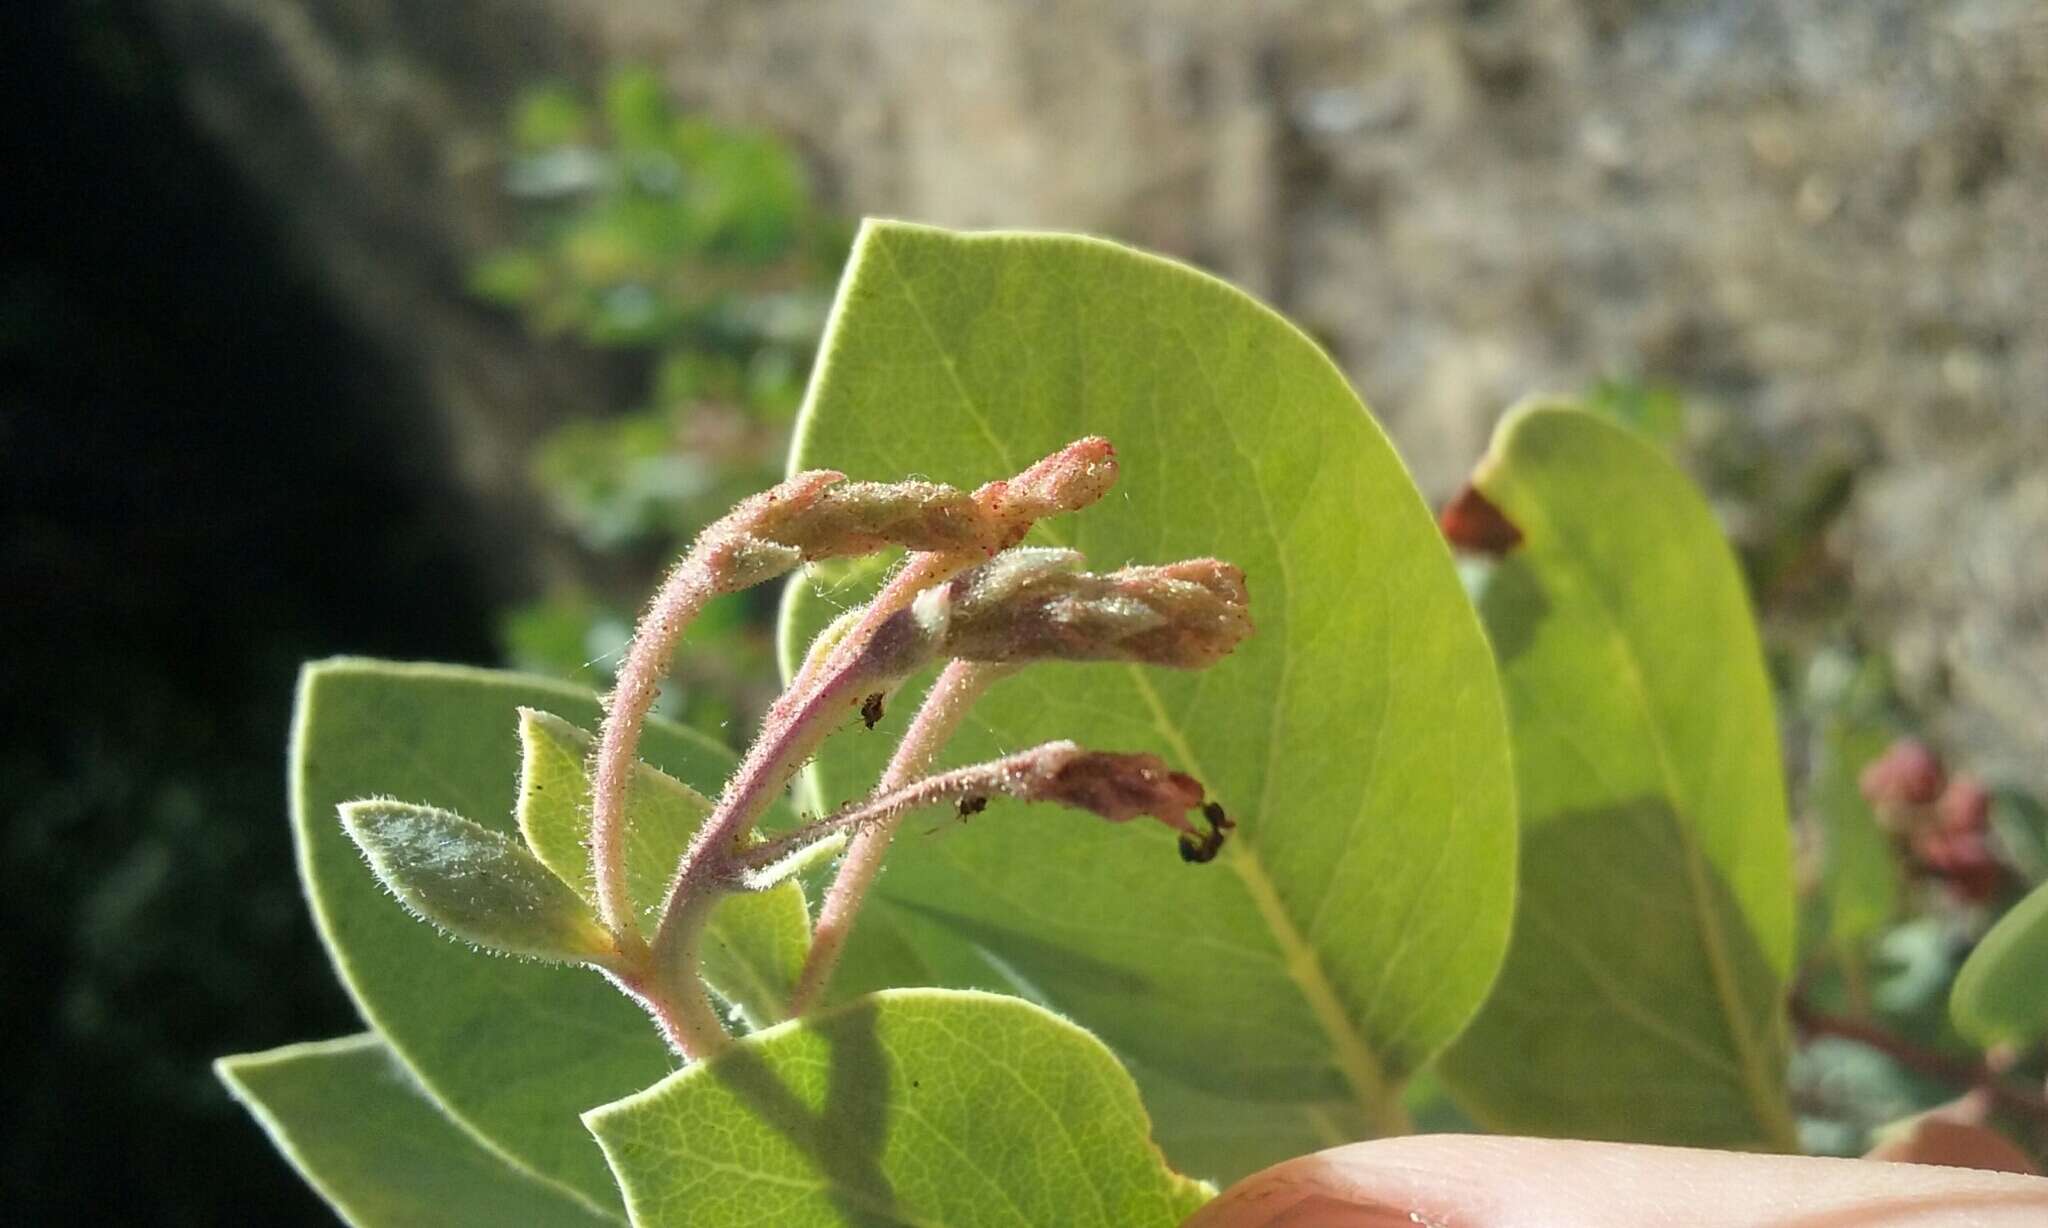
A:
755	944
513	1051
1359	915
2001	994
1643	993
919	1106
351	1119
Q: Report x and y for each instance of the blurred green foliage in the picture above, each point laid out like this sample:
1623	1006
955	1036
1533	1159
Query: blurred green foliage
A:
698	247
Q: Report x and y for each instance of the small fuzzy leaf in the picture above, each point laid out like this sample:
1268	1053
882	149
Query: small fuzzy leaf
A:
354	1123
755	944
473	883
920	1106
2001	994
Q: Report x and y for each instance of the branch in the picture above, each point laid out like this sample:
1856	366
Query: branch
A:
812	516
1026	605
727	556
899	646
1114	786
1065	481
1964	1072
807	518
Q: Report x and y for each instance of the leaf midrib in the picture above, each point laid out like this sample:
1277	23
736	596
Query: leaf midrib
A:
1771	1114
1349	1052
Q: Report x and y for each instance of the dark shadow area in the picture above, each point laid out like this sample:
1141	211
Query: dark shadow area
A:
1080	986
1513	605
846	1137
203	481
1608	938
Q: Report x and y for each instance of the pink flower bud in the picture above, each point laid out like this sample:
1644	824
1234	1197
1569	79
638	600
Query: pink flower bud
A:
1070	479
1907	774
1962	859
1965	806
821	516
739	550
863	517
1204	603
1032	604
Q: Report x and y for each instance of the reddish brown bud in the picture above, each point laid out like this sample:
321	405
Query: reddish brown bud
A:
1470	522
1116	786
1121	787
1907	774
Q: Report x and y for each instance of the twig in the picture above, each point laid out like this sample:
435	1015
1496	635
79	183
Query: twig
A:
897	647
945	706
727	557
1964	1072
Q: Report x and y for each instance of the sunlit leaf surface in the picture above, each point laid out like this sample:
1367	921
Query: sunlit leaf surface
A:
908	1107
1358	916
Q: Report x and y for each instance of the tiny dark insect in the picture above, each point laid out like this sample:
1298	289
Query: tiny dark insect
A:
972	805
1200	850
871	710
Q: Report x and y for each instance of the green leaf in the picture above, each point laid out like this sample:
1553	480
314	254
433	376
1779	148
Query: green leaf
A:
909	1107
2021	825
755	944
1860	871
1643	994
2001	995
473	883
350	1118
513	1051
1358	916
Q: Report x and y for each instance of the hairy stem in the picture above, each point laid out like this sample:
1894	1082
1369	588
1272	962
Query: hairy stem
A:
682	1011
682	595
959	685
810	516
1021	776
918	573
787	740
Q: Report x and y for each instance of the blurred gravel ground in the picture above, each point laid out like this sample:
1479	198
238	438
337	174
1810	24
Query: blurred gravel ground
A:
1825	220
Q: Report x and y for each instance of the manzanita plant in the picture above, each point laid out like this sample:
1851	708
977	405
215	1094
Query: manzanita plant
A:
1528	841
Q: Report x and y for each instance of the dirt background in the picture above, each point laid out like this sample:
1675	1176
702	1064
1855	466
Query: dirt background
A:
1826	221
